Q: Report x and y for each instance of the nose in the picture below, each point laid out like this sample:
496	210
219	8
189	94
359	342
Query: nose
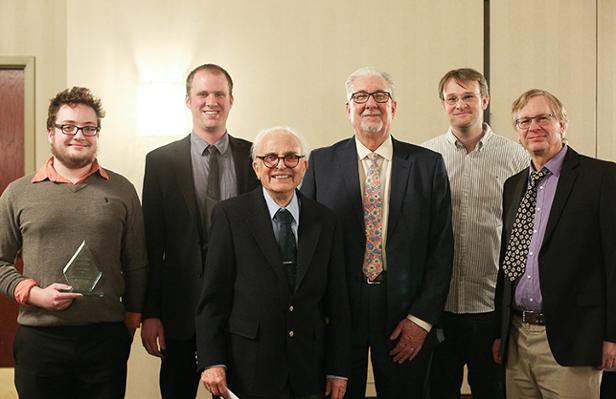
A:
281	164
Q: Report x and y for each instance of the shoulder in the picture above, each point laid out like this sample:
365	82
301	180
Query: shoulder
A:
237	142
170	148
415	151
118	184
436	143
333	150
19	186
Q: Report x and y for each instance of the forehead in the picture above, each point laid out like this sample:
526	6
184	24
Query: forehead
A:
279	143
76	113
464	86
536	105
210	81
370	83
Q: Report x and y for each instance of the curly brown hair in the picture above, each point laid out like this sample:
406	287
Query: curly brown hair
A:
72	97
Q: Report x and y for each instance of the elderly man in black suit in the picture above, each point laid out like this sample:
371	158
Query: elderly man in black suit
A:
273	320
555	292
394	204
183	180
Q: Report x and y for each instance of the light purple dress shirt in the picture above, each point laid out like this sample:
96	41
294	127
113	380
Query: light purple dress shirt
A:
528	290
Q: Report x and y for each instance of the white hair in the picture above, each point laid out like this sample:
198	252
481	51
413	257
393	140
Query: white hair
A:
368	71
284	129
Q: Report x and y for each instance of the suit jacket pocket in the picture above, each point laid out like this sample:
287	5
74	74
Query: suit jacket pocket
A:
590	298
244	327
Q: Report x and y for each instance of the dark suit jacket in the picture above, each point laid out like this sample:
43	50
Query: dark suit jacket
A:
577	260
175	240
419	233
249	320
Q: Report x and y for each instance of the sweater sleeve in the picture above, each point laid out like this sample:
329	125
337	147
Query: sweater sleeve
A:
10	244
134	259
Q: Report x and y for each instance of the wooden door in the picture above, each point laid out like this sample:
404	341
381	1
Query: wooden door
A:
12	166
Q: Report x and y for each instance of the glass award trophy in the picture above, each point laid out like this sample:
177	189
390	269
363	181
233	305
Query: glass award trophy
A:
82	273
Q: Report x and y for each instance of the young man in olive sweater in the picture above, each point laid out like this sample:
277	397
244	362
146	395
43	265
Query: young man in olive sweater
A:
69	344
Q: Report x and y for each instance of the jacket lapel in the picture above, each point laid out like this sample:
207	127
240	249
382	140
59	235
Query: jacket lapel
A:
566	181
308	237
183	172
400	172
349	174
260	226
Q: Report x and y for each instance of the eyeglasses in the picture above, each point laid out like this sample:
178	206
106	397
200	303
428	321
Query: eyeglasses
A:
361	97
466	98
542	120
71	130
272	160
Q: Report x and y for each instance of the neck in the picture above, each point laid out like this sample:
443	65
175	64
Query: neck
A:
372	141
73	175
210	137
469	137
281	199
540	159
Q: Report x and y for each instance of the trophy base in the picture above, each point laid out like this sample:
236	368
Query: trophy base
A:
85	293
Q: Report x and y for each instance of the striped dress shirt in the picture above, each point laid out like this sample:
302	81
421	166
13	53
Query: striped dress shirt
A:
476	179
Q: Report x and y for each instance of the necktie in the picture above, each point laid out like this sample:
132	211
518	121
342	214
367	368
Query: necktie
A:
213	177
287	245
516	254
373	215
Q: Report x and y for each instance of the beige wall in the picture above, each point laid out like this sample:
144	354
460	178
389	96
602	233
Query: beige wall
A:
289	61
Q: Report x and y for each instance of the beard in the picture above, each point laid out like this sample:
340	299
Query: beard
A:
72	161
371	127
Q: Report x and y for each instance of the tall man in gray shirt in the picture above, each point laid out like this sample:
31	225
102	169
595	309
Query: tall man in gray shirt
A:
183	181
478	162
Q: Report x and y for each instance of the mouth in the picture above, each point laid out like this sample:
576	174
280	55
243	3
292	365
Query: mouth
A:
281	177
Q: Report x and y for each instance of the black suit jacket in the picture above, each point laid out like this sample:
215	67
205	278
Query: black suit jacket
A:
176	243
419	234
577	260
249	320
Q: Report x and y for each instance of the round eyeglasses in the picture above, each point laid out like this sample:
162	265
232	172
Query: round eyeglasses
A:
272	160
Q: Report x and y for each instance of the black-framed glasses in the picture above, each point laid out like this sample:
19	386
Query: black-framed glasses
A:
466	98
71	130
541	119
361	97
272	160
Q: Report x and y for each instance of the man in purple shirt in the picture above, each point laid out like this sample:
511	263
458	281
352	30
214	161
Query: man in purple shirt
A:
558	257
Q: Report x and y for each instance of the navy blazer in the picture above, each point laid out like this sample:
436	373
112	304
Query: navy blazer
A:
249	320
419	246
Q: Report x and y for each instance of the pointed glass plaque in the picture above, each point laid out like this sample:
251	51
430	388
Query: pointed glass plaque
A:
82	273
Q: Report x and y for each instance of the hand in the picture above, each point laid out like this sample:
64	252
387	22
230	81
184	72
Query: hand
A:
52	298
336	387
609	355
412	338
215	380
496	351
153	337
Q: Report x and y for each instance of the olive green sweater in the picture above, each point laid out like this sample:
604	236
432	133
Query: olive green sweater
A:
47	222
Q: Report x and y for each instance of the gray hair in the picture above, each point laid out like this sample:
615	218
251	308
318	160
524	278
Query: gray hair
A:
368	71
285	129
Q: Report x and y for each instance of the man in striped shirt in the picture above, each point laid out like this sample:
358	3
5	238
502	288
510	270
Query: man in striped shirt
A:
478	162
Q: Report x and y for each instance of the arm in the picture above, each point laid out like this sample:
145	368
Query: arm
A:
439	254
152	331
308	187
607	221
216	298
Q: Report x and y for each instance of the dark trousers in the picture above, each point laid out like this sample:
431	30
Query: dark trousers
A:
608	385
179	378
71	362
393	381
468	340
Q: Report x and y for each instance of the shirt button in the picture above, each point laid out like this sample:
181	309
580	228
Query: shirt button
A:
531	299
291	308
530	253
534	231
291	333
528	277
540	187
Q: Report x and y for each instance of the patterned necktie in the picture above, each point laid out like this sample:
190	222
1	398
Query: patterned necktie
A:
213	176
287	245
373	219
516	254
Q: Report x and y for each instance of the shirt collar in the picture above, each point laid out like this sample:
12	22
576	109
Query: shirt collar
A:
222	145
48	172
487	135
292	207
555	164
385	150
